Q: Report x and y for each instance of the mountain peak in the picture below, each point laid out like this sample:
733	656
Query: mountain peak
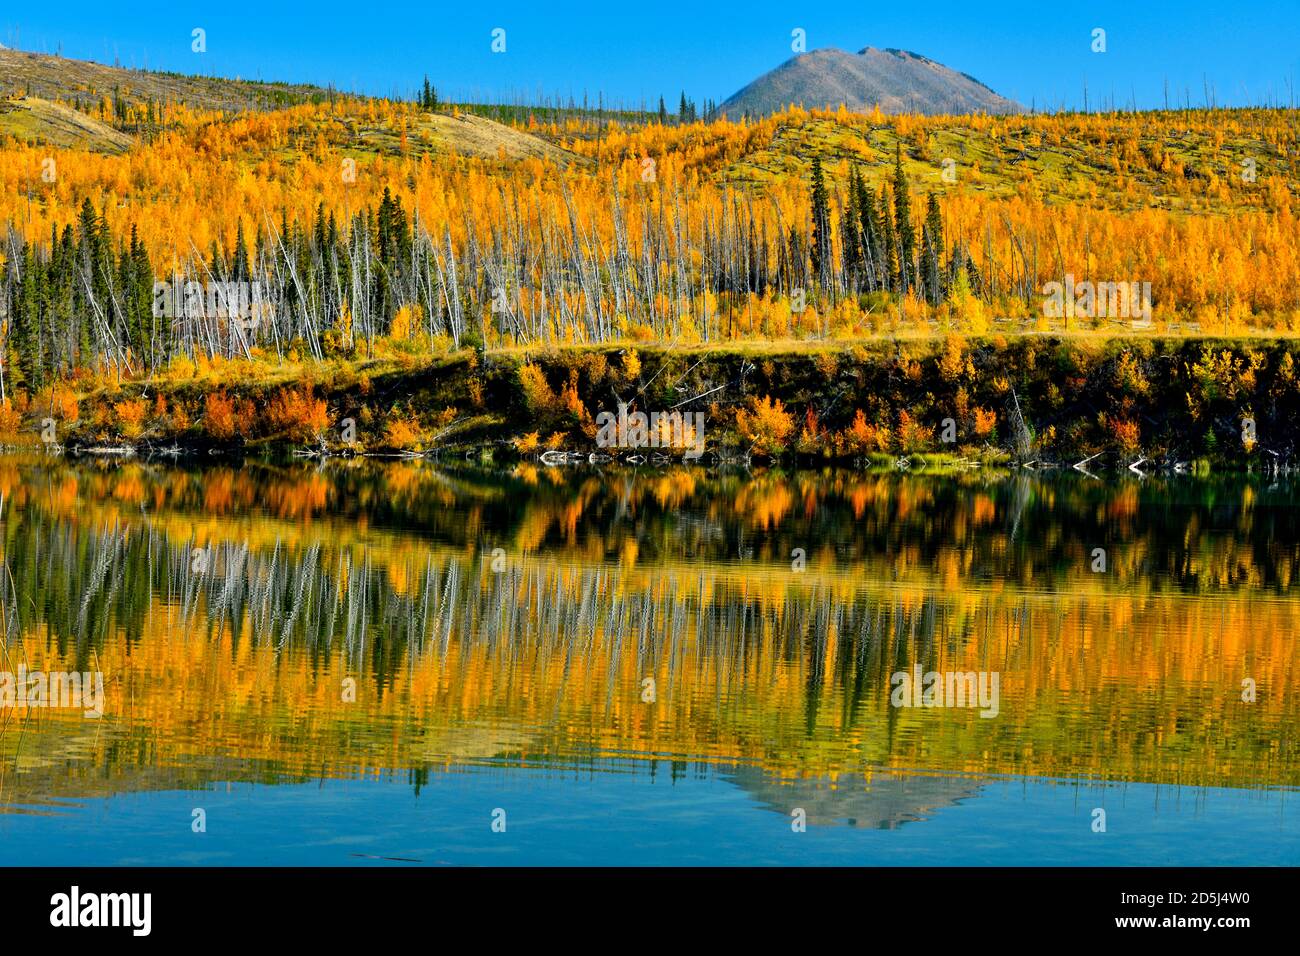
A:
895	80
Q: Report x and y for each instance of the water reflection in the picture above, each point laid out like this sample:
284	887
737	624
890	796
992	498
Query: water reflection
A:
277	625
883	801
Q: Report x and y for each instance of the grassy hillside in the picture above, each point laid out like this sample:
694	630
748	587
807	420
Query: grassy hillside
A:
1140	161
58	78
35	120
72	104
440	135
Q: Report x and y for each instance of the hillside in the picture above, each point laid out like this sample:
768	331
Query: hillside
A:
30	119
463	134
58	78
896	81
1129	164
76	104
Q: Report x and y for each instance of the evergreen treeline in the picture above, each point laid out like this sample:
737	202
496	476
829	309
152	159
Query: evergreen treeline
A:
79	300
879	241
325	287
687	111
428	98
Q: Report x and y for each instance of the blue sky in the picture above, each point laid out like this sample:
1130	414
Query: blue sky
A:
1038	53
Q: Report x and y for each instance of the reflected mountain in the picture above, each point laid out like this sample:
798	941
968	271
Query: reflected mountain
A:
881	801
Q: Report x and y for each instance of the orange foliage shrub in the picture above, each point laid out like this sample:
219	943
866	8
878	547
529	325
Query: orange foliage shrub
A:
765	424
538	396
223	417
862	437
130	417
810	438
912	434
407	318
65	405
403	433
179	418
475	386
570	398
573	403
11	419
1125	433
298	414
219	416
631	365
61	402
953	363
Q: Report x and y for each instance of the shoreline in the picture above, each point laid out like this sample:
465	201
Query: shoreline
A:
1142	403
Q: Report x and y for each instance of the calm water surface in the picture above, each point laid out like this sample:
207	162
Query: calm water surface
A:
367	663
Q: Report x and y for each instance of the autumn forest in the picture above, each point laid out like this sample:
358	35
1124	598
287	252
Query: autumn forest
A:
208	258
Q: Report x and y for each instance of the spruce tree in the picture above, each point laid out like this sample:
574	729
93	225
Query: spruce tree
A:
932	252
241	270
889	267
874	230
141	299
821	223
61	295
92	287
903	226
798	257
25	319
873	235
850	230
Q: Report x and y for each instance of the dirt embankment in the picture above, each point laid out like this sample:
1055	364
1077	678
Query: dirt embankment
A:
1177	401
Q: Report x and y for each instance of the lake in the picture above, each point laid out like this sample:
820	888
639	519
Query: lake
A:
404	663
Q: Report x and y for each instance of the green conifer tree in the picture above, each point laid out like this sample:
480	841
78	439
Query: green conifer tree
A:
932	252
820	249
903	226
